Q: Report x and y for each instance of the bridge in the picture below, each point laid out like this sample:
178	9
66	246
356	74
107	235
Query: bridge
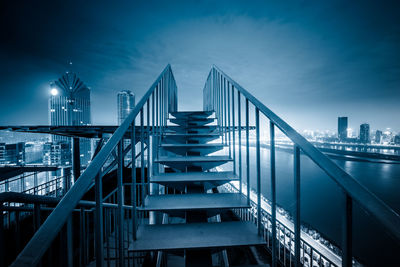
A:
183	197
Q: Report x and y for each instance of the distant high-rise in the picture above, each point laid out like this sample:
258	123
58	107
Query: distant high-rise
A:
342	128
69	105
378	136
12	153
364	133
57	153
126	103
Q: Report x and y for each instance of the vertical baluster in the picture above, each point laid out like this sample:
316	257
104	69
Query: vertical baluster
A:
133	186
2	243
233	129
273	191
158	111
69	245
240	140
120	203
82	243
347	231
229	118
297	206
152	113
99	220
142	157
258	171
225	112
221	120
148	144
161	104
247	153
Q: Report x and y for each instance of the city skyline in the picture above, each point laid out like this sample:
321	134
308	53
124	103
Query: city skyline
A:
302	61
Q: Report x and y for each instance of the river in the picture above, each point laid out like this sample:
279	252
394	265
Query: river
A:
322	201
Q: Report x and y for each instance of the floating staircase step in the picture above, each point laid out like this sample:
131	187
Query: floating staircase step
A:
192	202
203	149
192	122
180	180
192	114
180	163
196	236
184	137
205	129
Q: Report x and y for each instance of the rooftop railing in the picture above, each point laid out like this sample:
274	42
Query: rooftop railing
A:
225	96
153	108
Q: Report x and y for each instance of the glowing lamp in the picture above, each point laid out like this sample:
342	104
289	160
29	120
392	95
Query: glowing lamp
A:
54	91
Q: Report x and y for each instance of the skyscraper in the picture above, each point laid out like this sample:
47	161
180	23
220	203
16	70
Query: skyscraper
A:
126	103
364	133
378	136
69	105
342	128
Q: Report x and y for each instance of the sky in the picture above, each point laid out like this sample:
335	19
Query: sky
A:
308	61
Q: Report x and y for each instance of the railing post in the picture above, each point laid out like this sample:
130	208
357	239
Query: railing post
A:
36	216
35	182
99	220
347	232
76	159
229	118
69	240
133	186
240	141
2	245
296	164
273	192
258	171
233	129
158	111
142	157
221	108
247	152
148	144
120	203
226	113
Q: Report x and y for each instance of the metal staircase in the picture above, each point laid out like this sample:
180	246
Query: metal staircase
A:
191	171
149	167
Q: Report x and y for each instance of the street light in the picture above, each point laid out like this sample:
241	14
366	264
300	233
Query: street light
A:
54	92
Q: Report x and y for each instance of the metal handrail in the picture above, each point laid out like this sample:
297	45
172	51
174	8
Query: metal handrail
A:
43	238
216	94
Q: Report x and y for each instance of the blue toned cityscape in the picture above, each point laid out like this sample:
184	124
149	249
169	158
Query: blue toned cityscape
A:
200	133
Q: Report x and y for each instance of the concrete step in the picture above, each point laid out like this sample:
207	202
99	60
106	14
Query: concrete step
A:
196	236
180	202
182	149
181	163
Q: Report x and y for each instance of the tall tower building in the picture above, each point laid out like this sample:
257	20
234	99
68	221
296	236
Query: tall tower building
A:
364	133
342	128
69	105
378	136
126	103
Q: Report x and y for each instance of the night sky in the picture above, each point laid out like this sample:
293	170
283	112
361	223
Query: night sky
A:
309	61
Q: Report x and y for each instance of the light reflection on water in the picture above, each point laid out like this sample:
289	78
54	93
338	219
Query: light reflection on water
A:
322	199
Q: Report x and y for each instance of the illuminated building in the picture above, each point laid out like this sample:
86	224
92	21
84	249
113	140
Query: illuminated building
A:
126	103
342	128
364	133
69	105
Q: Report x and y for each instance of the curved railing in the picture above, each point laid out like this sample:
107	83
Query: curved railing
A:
221	94
157	102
